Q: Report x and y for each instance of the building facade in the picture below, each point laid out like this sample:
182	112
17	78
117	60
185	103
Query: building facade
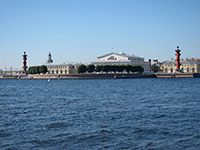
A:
11	72
122	59
62	69
186	66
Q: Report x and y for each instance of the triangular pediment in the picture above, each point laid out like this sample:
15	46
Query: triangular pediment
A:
112	57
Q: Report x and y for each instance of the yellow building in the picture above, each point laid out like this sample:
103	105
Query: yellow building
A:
62	69
187	66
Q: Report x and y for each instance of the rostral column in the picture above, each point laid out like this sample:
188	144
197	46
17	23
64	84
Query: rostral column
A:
24	62
178	58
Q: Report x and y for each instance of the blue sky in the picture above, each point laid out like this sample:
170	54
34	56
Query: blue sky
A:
82	30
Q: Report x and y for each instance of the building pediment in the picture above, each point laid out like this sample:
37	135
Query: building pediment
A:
112	57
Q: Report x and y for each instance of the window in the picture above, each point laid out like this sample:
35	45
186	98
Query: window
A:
182	69
56	71
193	69
61	71
52	71
165	69
188	70
65	71
112	58
171	70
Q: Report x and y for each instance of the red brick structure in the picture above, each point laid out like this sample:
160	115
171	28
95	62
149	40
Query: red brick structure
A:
178	58
24	62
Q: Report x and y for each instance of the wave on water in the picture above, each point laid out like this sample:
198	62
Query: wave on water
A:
100	114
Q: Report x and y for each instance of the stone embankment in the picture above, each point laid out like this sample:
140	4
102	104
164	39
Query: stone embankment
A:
101	76
177	75
78	76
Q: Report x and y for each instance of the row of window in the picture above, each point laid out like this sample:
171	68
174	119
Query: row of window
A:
171	70
61	67
56	71
181	64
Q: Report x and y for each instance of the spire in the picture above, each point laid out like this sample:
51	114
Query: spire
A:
50	60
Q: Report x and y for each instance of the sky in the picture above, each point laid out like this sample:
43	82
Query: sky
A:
78	31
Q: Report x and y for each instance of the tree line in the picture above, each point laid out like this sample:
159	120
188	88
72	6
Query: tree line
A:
109	68
37	69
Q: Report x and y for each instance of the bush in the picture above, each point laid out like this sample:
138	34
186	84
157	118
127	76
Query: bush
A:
42	69
91	68
108	68
82	69
128	68
31	70
37	69
154	68
120	68
99	68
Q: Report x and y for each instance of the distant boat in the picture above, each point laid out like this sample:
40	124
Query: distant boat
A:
48	80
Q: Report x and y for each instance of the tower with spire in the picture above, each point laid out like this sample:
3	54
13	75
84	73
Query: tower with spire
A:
50	60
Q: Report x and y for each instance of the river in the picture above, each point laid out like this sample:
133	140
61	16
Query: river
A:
100	114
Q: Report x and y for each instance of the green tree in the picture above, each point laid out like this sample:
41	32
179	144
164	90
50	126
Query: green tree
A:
82	68
42	69
107	68
113	68
120	68
154	68
91	68
134	69
99	68
128	68
141	69
31	70
36	69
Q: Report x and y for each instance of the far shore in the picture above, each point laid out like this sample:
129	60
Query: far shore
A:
101	76
77	76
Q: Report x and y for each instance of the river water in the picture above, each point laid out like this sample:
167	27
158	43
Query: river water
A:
100	114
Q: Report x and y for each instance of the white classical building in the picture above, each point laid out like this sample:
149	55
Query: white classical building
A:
122	59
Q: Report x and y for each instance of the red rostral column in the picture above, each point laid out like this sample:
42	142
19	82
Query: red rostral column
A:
24	62
178	58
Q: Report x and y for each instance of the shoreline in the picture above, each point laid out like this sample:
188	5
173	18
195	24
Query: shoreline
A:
76	76
101	76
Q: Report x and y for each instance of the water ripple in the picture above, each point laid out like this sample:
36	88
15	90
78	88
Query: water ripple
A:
100	114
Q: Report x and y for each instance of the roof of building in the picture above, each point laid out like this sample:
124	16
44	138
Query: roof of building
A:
119	54
193	60
60	65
